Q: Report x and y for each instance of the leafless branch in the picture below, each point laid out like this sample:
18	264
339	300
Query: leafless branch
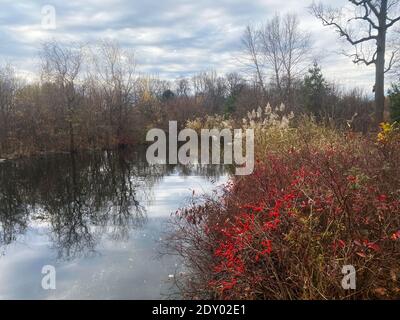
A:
329	18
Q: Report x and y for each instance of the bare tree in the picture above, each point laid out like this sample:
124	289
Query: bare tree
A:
8	90
271	39
252	44
182	87
212	88
280	48
235	83
396	44
294	52
372	20
114	71
61	66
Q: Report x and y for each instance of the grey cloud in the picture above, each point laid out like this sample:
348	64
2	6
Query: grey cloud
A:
172	38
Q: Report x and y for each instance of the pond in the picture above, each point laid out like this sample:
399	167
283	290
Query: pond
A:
98	218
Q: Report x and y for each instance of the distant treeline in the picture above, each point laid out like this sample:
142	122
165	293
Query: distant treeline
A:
91	97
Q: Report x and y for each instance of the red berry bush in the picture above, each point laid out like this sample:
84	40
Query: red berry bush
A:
287	230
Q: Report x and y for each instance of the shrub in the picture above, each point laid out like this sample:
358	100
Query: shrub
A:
285	232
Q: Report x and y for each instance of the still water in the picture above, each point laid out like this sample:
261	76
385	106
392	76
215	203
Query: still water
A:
99	219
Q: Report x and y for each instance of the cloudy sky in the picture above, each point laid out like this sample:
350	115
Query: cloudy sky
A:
172	38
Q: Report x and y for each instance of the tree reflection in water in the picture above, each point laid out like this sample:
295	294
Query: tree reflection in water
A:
80	198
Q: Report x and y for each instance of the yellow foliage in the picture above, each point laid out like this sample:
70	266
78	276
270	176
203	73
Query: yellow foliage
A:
387	132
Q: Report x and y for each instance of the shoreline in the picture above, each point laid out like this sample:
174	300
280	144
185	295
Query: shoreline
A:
31	155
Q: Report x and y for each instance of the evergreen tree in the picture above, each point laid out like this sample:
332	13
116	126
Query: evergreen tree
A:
167	95
230	104
315	90
394	95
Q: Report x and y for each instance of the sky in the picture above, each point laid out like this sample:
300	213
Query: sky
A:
171	38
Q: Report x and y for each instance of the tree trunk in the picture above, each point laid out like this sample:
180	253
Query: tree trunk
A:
380	65
380	87
3	134
71	138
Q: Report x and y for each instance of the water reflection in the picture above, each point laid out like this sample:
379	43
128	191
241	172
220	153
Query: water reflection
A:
14	211
94	216
81	197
